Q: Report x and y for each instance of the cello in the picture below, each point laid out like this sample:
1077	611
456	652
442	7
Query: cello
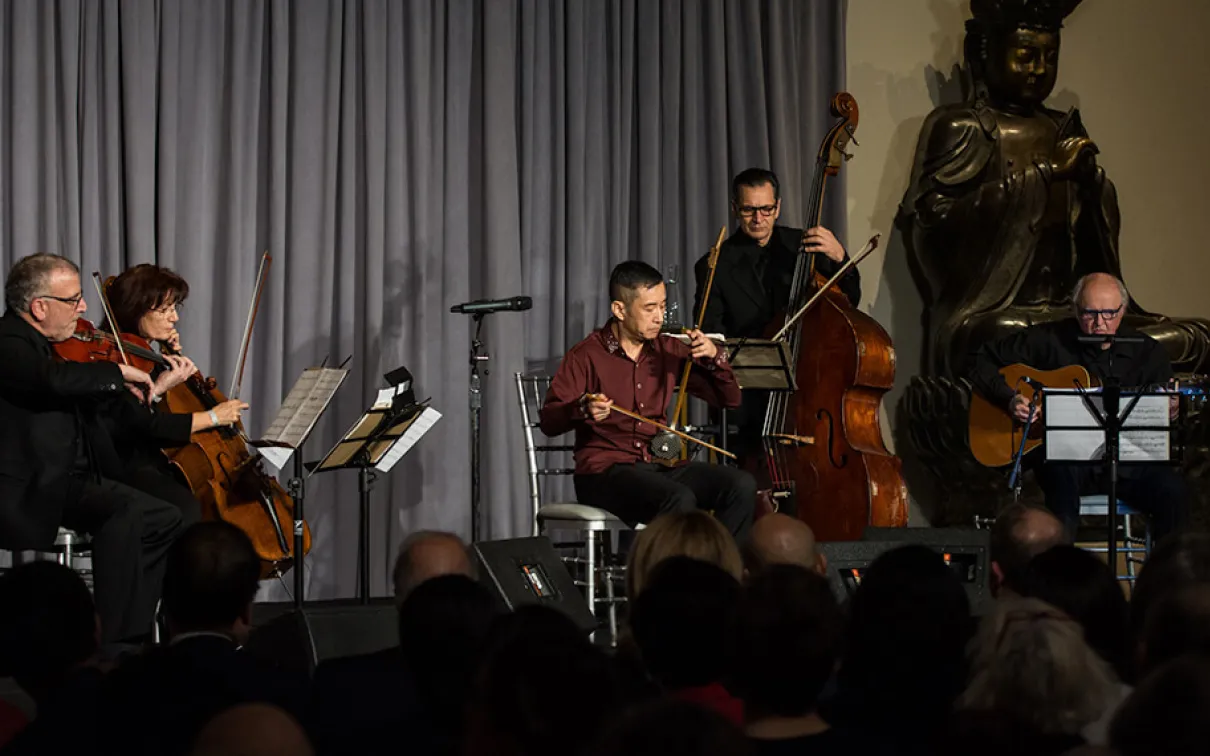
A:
230	483
823	443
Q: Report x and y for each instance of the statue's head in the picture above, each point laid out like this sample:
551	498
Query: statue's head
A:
1012	47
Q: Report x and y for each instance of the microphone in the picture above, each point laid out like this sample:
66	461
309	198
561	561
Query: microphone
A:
1035	385
484	306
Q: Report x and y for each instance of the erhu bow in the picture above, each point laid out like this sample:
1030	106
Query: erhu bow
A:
666	444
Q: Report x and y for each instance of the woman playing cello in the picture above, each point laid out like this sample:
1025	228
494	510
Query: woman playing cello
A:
145	302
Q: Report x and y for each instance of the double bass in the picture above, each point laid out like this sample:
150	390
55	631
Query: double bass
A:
230	483
823	442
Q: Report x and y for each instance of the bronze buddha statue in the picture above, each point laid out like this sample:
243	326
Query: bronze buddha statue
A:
1007	208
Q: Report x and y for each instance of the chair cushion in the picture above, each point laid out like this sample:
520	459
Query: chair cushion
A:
1097	505
579	512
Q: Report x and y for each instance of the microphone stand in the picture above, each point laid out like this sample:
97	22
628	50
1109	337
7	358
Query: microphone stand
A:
478	355
1014	480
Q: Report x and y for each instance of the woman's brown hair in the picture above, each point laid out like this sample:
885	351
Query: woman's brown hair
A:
141	289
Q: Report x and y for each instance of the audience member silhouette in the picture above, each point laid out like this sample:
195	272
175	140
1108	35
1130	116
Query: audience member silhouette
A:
1084	587
780	539
253	729
683	626
903	688
788	640
1020	533
358	700
49	635
669	727
542	690
157	702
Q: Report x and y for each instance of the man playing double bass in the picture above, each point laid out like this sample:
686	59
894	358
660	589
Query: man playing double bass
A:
628	363
58	466
753	279
1099	302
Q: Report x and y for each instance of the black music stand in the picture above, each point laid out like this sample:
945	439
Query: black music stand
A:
1106	422
761	364
378	440
296	418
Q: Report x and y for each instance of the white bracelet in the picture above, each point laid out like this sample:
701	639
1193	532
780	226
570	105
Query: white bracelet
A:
213	417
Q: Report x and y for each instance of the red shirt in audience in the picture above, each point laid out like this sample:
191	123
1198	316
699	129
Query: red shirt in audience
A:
716	698
12	721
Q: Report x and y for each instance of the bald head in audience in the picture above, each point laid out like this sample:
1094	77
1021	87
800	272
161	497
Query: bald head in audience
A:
1021	533
253	729
781	539
428	554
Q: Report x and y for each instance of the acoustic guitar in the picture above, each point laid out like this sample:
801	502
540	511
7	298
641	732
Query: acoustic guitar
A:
995	435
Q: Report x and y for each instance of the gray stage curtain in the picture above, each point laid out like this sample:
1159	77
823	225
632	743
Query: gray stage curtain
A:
396	158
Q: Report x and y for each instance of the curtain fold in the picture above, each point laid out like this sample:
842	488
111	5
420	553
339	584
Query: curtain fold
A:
396	158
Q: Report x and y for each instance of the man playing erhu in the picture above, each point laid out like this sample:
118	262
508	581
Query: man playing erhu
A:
628	364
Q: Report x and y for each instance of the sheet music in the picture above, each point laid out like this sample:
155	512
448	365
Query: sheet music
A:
302	407
1065	407
412	430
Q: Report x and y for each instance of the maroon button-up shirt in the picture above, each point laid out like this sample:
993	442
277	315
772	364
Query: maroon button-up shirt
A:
599	365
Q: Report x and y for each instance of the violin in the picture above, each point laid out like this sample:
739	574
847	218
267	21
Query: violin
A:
91	344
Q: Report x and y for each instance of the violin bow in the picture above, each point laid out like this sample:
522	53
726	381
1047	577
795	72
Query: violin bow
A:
113	323
701	317
237	379
661	426
869	247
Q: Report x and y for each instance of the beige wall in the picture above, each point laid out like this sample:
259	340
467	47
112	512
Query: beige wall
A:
1140	74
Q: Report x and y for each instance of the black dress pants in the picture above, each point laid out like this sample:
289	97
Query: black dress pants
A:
159	481
1156	490
641	491
131	532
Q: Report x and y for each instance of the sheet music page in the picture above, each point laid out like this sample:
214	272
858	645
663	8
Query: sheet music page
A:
1065	407
276	456
413	429
302	407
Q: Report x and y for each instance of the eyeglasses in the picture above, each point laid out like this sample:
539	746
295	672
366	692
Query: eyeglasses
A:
165	309
73	301
748	211
1104	314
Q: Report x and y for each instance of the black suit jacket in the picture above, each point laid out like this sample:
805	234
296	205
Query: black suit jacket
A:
47	421
741	300
365	704
157	702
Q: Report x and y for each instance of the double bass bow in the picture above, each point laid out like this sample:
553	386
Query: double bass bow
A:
823	443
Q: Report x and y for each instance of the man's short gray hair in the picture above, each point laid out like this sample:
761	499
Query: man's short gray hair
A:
1078	291
405	576
29	276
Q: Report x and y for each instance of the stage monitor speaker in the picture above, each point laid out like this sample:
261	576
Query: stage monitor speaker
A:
964	550
300	640
524	571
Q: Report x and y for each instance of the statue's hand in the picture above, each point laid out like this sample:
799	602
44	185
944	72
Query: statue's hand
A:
1074	159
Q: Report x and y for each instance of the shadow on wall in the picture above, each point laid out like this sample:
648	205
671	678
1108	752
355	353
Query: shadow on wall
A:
899	302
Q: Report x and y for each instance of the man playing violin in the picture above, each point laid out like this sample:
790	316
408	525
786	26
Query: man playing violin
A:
1099	302
754	275
58	465
628	363
145	301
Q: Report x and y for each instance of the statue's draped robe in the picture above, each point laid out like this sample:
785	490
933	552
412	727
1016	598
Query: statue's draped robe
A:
1000	245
